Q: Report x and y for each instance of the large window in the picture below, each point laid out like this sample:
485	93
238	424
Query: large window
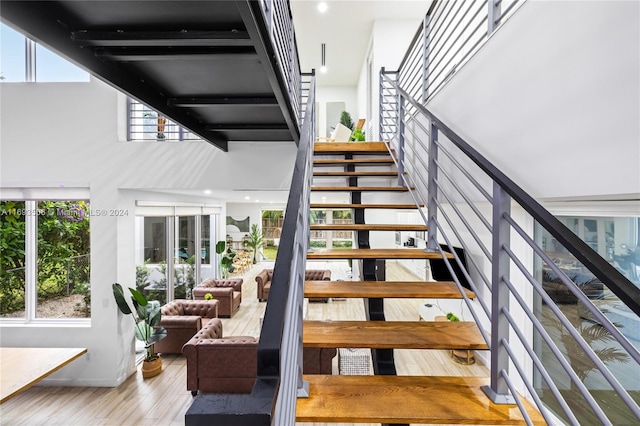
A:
44	259
617	240
23	60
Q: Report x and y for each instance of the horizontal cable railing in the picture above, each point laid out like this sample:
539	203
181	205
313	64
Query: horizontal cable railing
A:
571	360
450	34
145	124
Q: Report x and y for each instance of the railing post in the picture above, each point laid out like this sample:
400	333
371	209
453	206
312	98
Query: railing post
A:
425	59
400	131
381	107
498	390
493	15
432	190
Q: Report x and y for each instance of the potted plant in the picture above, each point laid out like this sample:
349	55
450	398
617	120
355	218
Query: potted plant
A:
227	254
254	240
147	319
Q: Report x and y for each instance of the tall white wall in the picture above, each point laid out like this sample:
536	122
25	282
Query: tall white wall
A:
390	39
70	134
324	94
553	98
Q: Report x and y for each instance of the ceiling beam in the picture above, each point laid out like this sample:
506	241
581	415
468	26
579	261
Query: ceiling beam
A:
249	126
227	100
161	38
175	54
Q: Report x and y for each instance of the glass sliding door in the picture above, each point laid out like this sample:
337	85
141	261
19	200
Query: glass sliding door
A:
185	255
151	269
173	254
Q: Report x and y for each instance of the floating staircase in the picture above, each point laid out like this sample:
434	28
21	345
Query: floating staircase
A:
385	397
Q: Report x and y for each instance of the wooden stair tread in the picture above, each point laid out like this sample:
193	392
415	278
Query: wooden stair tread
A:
350	148
355	161
388	289
460	335
367	227
360	188
405	399
397	253
359	174
362	206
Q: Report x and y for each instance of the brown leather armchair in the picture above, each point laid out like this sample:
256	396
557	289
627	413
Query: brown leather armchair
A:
220	364
263	280
182	319
228	292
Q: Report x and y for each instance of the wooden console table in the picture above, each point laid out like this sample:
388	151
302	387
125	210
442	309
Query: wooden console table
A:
23	367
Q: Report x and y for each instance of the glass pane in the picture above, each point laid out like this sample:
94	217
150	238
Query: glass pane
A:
185	257
63	287
12	55
151	275
272	221
12	259
51	67
205	250
556	277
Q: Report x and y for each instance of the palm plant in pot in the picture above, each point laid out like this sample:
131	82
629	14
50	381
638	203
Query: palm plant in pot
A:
147	319
254	240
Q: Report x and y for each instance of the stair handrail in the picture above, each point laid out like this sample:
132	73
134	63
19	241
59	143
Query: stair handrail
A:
279	383
501	389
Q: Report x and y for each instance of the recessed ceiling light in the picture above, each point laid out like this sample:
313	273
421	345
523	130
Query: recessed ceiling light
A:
322	7
247	197
257	201
207	191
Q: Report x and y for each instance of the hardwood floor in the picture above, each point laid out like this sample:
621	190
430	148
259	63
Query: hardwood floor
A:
164	400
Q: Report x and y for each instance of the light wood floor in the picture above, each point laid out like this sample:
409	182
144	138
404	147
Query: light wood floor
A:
164	400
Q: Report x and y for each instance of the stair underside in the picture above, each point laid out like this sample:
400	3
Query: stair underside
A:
367	227
355	161
393	335
399	253
321	148
405	399
360	188
385	289
358	174
362	206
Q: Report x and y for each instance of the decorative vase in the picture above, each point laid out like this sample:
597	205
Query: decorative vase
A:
151	368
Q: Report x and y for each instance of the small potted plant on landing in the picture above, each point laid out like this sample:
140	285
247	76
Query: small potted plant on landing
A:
147	317
227	254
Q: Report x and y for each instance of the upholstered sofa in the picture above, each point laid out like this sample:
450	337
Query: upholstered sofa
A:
218	364
182	319
263	281
228	292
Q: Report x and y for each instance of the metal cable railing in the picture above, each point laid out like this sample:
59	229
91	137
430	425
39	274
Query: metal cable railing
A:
449	35
538	348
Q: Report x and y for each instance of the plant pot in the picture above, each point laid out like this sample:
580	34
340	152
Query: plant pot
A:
151	368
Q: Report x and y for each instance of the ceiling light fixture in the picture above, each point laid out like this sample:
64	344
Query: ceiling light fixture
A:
323	67
322	7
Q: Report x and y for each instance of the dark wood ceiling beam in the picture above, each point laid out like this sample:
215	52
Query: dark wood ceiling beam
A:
161	38
228	100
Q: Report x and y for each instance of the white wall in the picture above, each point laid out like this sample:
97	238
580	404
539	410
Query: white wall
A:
68	134
553	98
389	42
324	94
